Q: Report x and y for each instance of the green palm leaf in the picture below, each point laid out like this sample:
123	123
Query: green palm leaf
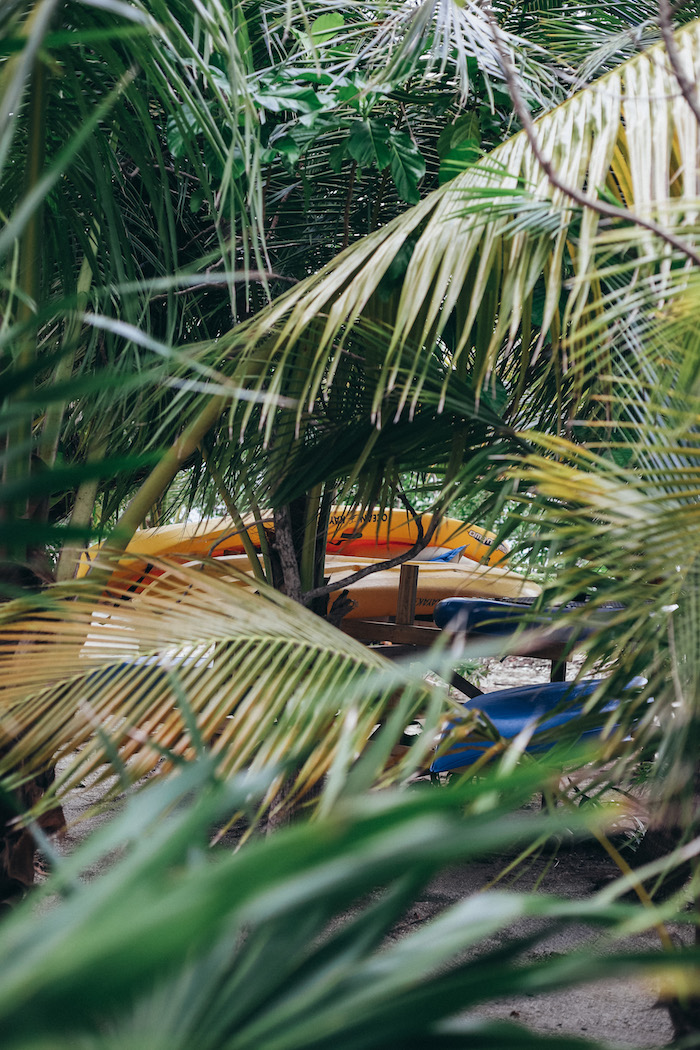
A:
196	663
287	944
622	525
629	134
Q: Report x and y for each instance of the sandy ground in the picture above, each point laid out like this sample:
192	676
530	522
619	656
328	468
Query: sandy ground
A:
622	1012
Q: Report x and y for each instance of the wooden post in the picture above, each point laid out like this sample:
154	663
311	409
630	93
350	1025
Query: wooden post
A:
558	670
406	600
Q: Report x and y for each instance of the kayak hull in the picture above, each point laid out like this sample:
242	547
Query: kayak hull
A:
381	537
376	595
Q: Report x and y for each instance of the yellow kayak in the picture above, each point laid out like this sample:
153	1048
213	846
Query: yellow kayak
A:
381	537
211	537
396	531
376	595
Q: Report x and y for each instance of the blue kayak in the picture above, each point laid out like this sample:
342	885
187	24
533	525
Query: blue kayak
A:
511	710
482	616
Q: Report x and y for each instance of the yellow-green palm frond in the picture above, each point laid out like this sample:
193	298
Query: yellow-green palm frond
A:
622	525
495	243
196	662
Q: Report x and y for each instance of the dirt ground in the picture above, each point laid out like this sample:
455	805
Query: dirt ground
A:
622	1012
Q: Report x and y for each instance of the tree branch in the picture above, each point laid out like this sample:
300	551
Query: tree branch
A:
608	211
390	563
688	89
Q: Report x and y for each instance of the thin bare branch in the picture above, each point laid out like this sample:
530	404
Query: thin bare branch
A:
688	89
608	211
391	563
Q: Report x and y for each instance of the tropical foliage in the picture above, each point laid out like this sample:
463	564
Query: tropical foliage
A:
481	306
176	944
447	339
193	665
178	176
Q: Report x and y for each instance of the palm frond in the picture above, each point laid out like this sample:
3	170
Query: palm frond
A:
196	663
597	37
630	132
433	37
291	942
622	525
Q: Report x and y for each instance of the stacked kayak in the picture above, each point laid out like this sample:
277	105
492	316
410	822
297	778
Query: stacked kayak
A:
394	532
461	559
539	708
380	536
375	595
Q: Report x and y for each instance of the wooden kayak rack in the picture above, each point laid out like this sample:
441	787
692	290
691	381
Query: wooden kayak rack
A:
406	636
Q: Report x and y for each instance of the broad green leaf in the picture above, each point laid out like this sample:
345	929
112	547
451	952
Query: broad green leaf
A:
353	93
278	95
407	166
368	143
289	148
457	160
181	129
325	28
336	156
465	129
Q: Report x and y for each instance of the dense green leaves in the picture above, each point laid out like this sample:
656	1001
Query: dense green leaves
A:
476	266
282	945
495	338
